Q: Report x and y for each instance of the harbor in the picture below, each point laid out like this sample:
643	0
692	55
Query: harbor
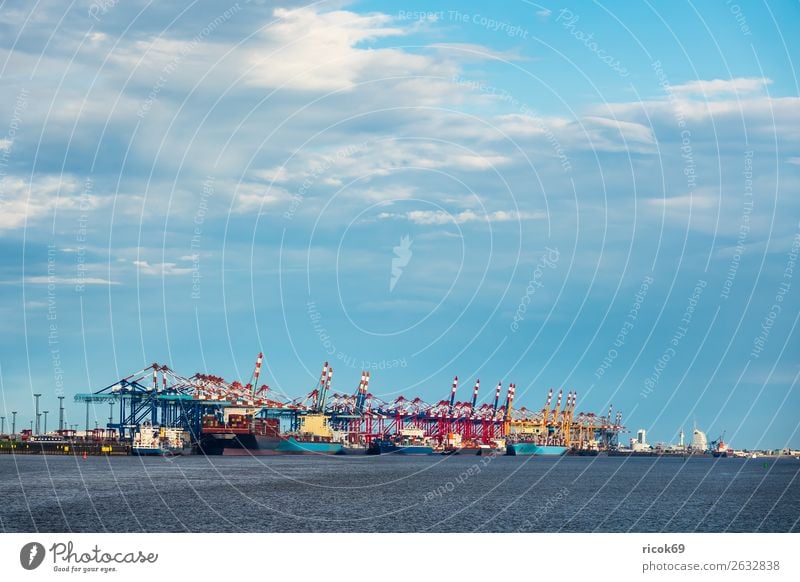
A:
157	412
316	280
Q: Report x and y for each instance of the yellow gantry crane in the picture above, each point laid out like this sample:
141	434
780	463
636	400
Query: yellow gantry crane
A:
555	424
509	406
566	418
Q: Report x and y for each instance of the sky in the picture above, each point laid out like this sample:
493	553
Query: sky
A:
598	197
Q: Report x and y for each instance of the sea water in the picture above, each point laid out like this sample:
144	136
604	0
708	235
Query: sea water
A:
456	493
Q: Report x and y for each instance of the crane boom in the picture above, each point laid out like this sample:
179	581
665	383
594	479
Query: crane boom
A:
475	393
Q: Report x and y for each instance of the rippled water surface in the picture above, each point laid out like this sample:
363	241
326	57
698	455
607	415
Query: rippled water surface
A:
397	494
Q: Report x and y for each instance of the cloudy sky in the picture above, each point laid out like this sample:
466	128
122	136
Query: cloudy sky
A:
595	197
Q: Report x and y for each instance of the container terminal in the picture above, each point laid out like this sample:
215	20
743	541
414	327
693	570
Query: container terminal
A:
159	412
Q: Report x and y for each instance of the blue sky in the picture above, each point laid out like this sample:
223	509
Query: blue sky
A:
517	192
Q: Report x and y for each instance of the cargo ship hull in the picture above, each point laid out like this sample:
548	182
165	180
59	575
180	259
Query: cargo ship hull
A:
462	451
250	445
524	449
388	448
292	446
254	442
584	452
239	437
147	451
155	452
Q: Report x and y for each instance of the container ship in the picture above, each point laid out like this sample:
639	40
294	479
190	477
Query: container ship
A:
238	433
314	437
525	447
454	445
409	441
722	449
152	440
241	434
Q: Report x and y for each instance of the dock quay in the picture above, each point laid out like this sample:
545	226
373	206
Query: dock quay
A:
79	448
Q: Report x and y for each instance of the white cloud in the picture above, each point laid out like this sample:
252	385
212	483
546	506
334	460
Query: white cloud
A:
517	124
98	37
46	280
384	193
722	86
385	157
795	161
250	197
24	201
464	51
763	114
697	211
591	132
627	130
161	269
507	216
471	161
439	217
323	51
681	204
276	174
